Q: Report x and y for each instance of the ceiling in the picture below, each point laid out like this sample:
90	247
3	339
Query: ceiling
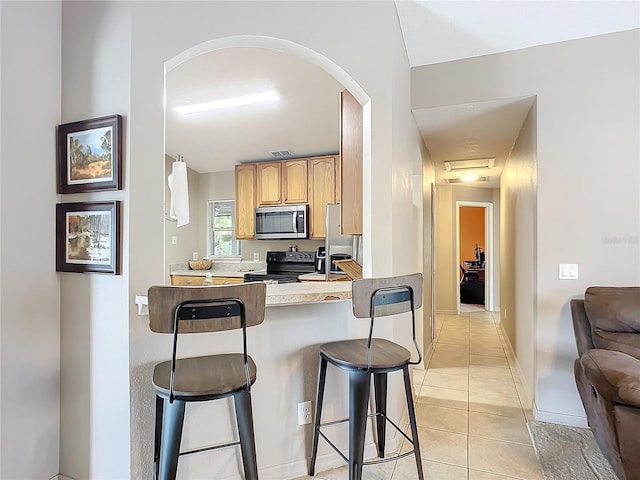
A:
306	118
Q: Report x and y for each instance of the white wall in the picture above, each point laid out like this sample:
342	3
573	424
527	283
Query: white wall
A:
587	177
518	255
94	315
29	308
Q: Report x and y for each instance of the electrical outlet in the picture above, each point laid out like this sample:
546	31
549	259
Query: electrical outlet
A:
174	240
304	413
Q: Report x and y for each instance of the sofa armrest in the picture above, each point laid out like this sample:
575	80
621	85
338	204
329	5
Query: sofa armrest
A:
581	326
615	375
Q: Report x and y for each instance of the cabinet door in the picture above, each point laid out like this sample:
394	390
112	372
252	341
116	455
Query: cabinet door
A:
294	181
245	201
322	190
269	183
227	280
351	157
187	280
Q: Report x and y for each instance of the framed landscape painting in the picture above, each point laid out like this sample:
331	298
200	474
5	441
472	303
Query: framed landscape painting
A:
90	155
88	237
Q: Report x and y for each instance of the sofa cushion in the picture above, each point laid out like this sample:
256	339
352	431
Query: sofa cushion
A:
613	309
628	343
615	375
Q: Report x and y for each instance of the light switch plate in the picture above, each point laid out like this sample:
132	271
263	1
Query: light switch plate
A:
568	271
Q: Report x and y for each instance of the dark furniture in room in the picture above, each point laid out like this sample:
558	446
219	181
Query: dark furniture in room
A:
471	284
372	357
607	330
181	310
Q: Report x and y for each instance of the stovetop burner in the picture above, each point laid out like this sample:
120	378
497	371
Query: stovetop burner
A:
284	267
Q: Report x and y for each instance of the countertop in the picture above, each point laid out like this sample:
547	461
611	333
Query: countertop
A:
215	273
307	292
283	294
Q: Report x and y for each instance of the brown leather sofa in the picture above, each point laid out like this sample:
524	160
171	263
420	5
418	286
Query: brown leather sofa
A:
607	330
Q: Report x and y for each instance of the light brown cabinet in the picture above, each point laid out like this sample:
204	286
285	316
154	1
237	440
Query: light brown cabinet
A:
294	181
187	280
351	164
322	190
269	181
245	201
314	180
197	280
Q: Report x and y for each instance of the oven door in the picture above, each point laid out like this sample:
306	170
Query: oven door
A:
274	223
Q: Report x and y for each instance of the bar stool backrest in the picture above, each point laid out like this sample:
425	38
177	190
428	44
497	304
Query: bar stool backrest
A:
163	301
362	291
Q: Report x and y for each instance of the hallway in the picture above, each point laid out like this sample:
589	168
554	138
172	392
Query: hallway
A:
470	417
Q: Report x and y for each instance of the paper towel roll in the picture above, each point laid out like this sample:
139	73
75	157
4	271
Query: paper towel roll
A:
179	207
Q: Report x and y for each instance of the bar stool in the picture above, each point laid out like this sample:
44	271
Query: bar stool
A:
178	310
366	357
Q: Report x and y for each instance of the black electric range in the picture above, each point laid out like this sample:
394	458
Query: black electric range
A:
284	267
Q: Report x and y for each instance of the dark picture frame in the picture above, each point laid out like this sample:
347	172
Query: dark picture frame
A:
88	237
90	155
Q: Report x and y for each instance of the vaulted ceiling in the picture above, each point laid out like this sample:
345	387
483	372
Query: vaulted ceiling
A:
305	120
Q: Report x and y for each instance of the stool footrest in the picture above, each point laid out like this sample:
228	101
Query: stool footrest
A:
206	449
369	462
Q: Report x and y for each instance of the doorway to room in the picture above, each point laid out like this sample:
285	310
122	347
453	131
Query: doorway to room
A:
474	256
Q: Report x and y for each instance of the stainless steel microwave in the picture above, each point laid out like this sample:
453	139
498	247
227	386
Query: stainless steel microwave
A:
282	222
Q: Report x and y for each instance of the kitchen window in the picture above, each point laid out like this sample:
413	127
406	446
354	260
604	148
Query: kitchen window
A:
221	238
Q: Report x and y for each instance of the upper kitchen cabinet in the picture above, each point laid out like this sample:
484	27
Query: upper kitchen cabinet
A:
246	201
322	190
351	164
269	176
294	181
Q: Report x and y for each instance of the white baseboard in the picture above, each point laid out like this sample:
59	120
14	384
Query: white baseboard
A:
559	418
450	312
324	462
60	477
515	366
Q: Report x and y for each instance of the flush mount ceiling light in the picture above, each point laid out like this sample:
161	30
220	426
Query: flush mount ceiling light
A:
458	180
469	177
476	163
268	96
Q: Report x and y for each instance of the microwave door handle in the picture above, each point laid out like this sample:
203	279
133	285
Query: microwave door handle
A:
295	225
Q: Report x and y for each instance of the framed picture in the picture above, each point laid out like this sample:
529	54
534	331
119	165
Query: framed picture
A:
90	155
88	237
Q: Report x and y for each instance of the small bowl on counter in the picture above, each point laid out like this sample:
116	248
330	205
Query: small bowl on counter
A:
200	264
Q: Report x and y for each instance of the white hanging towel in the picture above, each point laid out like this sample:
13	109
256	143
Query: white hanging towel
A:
179	207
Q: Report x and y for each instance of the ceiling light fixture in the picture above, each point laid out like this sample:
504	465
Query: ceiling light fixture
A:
469	177
269	96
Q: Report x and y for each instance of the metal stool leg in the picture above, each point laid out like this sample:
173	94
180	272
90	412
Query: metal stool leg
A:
358	405
172	419
158	437
380	387
316	427
244	417
412	421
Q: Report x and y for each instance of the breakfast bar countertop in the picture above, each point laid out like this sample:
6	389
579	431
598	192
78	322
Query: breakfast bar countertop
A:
283	294
307	292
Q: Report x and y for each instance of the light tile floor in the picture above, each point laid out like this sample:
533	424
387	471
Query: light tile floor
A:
471	422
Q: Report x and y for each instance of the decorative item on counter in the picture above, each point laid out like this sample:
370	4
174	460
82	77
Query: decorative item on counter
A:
200	264
293	248
208	280
177	180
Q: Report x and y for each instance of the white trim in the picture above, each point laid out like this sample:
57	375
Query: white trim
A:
559	418
300	468
516	370
488	239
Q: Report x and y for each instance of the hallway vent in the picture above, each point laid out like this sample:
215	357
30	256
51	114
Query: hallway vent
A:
457	165
457	180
